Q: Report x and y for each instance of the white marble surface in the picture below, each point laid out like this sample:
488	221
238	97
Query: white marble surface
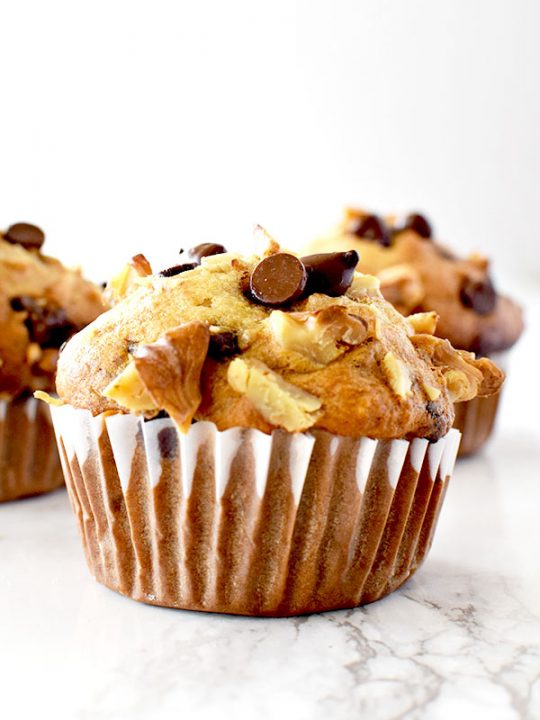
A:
460	640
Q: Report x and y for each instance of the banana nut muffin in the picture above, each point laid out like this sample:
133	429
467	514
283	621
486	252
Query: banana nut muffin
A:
42	304
258	435
418	274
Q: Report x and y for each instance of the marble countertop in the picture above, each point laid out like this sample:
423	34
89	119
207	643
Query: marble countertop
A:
460	640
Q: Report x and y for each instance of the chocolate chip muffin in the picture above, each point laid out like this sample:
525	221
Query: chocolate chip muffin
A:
270	435
42	304
419	274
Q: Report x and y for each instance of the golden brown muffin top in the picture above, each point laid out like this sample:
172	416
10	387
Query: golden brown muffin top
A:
42	304
419	274
268	342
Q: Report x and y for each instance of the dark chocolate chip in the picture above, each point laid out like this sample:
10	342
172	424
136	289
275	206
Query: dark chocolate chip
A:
29	236
168	442
374	228
47	323
223	345
278	279
195	254
419	224
330	273
478	295
177	269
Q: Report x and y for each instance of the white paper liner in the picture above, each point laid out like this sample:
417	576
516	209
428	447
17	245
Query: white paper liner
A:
475	419
29	462
248	523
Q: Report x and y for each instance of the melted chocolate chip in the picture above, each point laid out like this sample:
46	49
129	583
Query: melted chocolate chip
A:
374	228
195	254
478	295
330	273
223	345
168	442
47	324
177	269
278	280
419	224
29	236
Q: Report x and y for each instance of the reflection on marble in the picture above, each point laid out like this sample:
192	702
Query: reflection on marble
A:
461	640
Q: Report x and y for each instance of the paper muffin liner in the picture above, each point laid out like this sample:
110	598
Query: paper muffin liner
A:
29	462
475	419
247	523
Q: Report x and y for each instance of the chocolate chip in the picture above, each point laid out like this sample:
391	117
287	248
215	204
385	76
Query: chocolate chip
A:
47	323
177	269
278	279
223	345
419	224
29	236
167	439
479	295
330	273
195	254
372	227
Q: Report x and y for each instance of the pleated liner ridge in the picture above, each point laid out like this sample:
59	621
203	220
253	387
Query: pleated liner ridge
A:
475	419
29	462
247	523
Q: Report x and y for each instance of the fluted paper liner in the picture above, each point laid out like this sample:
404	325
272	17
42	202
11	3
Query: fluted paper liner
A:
29	462
475	419
247	523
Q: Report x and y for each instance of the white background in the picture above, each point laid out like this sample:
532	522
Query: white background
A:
145	126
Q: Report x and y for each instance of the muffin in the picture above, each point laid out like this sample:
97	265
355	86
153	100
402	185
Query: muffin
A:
42	304
418	274
259	435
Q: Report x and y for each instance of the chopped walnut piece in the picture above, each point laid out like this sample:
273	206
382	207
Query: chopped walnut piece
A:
171	370
433	393
322	336
128	390
397	375
279	402
364	285
127	280
141	265
425	322
466	377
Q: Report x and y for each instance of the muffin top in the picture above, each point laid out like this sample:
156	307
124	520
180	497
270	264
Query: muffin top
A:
42	304
269	341
418	274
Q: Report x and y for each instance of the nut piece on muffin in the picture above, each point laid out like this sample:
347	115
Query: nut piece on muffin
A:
418	274
42	304
270	342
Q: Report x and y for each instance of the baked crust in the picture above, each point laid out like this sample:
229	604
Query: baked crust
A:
382	387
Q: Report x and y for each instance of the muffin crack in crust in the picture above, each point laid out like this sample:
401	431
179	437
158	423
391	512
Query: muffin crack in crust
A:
283	342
